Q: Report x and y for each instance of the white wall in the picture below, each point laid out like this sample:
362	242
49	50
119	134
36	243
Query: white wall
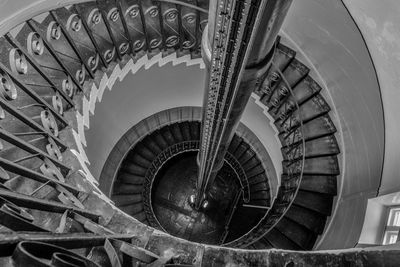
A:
374	224
329	39
379	21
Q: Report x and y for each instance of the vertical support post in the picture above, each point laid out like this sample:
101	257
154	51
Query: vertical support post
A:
242	41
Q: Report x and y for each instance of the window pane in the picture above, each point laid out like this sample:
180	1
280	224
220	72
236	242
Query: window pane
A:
390	237
396	219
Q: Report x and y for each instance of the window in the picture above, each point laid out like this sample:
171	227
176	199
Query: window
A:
392	227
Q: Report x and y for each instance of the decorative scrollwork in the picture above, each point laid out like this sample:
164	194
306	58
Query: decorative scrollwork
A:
68	87
113	14
7	86
283	91
154	43
109	54
94	17
189	18
53	150
172	41
188	44
49	122
57	103
171	14
35	44
81	75
132	11
152	11
74	23
18	61
93	62
53	31
50	170
138	44
123	48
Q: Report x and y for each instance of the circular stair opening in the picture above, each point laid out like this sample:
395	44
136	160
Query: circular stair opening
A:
158	177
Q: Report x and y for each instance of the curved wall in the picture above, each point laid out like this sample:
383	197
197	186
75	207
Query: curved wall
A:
379	22
155	89
329	39
316	27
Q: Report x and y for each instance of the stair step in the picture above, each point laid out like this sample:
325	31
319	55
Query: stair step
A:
255	171
316	128
195	131
138	159
241	150
134	169
260	186
283	56
176	132
300	235
133	209
169	138
126	200
162	144
129	178
321	203
310	219
234	144
303	91
324	146
279	240
124	189
145	152
152	146
185	129
320	184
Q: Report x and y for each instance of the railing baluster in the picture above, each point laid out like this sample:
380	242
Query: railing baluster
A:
124	24
28	121
36	66
32	94
56	57
89	32
20	143
109	30
28	173
143	20
161	21
71	43
44	205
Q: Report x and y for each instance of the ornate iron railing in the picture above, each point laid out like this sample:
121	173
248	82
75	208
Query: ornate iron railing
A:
279	90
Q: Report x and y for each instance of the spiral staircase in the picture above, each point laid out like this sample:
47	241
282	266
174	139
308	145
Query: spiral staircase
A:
56	65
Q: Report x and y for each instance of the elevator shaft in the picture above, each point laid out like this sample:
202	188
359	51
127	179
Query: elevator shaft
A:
241	35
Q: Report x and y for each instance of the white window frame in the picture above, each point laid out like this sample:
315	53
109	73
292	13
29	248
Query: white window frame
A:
390	227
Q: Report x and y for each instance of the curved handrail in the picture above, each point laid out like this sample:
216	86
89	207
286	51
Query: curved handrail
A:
294	165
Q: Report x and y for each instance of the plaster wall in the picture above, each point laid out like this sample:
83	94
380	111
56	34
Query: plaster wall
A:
379	23
326	35
374	225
